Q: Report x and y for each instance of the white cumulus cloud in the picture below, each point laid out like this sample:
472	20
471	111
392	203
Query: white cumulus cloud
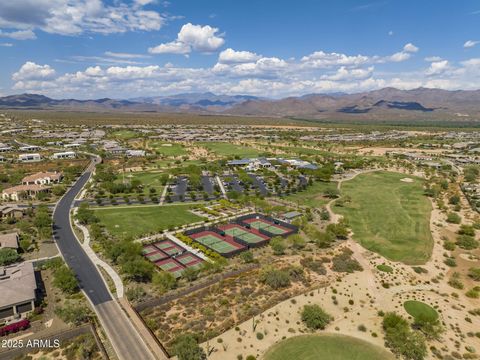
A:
230	56
75	17
205	39
32	71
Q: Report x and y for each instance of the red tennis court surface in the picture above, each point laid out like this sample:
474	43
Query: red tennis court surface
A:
171	257
189	260
170	265
169	247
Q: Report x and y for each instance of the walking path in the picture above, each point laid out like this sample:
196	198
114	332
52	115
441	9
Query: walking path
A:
222	188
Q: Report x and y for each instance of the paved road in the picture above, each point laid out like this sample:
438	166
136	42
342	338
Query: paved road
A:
123	336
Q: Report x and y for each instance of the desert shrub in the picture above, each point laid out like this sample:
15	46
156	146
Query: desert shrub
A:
345	263
314	265
275	278
455	281
450	262
315	317
401	340
454	218
467	242
474	273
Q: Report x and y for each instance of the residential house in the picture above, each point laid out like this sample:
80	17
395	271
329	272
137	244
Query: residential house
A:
135	153
11	211
29	157
9	241
18	287
64	155
19	192
29	148
43	178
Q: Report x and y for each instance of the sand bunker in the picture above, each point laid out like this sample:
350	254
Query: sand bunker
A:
469	257
407	180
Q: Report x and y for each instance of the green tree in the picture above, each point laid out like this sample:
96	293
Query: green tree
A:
73	314
190	274
65	280
315	317
138	269
247	257
401	339
186	348
164	280
86	216
8	256
277	245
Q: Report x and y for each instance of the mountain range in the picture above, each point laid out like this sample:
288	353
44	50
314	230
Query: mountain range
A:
384	103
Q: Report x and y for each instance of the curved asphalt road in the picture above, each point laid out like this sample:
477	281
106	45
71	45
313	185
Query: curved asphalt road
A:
125	340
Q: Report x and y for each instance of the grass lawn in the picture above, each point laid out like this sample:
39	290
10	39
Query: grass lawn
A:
389	216
385	268
135	221
417	308
227	149
313	195
125	134
326	347
148	179
168	149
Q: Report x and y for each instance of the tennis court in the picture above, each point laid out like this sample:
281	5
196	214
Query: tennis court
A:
171	266
215	242
189	260
155	256
169	247
149	249
243	233
267	226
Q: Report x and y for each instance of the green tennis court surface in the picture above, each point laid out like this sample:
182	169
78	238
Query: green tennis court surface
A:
271	228
216	244
244	235
168	266
156	256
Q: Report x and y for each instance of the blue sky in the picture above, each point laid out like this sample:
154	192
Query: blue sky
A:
130	48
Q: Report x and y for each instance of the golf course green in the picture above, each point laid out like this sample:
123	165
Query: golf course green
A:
326	347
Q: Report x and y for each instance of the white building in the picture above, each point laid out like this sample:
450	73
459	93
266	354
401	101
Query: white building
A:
64	155
29	157
135	153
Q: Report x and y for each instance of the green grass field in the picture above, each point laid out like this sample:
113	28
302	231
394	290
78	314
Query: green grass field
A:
326	347
124	134
168	149
227	149
148	179
417	308
135	221
385	268
389	216
313	195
